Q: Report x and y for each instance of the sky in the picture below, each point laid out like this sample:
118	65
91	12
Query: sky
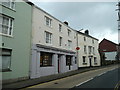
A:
100	18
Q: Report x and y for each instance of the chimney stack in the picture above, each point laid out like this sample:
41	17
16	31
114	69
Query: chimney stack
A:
66	23
86	32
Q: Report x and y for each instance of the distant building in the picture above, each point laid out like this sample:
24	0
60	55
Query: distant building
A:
109	49
88	54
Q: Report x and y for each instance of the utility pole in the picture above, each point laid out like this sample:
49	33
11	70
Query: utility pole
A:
118	48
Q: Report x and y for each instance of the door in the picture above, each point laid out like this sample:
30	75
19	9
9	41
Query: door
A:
90	61
59	58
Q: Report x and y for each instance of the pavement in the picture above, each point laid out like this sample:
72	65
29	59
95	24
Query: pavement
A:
31	82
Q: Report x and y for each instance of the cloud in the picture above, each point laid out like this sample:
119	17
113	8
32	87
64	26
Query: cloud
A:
100	18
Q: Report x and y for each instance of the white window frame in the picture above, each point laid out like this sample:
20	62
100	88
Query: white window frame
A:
69	44
48	39
85	49
11	4
69	32
60	28
95	60
9	27
48	21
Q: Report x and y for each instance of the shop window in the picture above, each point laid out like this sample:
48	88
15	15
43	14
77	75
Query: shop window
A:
45	59
68	60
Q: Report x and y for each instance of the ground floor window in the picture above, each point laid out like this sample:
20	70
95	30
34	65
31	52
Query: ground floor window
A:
95	60
68	60
5	59
45	59
84	60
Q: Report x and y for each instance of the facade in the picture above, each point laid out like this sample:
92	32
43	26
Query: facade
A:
109	48
53	45
88	54
15	32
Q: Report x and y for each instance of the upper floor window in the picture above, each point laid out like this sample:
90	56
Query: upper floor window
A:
60	28
90	49
93	50
69	32
9	4
85	50
60	41
84	38
48	21
6	25
92	41
69	44
48	37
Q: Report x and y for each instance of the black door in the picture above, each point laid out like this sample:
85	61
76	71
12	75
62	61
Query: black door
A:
90	62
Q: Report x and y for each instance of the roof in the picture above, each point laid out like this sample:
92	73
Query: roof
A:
108	41
87	35
107	46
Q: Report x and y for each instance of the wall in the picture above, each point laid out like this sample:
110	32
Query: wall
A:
39	29
20	42
110	55
81	53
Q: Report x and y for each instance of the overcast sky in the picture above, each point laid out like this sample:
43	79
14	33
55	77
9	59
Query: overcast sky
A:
100	18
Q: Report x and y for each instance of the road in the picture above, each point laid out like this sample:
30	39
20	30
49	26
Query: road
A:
110	79
80	79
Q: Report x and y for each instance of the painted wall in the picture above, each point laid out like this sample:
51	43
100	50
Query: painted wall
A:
38	37
110	55
81	53
39	29
20	42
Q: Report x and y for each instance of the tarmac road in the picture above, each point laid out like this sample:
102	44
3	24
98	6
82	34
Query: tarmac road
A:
71	81
110	79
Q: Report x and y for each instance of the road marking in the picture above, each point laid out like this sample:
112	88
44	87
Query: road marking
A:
117	86
84	82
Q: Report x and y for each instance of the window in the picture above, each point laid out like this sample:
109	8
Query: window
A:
60	41
5	56
85	51
69	32
60	28
93	50
45	59
6	25
95	60
9	4
84	59
92	41
48	21
90	49
48	37
84	38
69	44
68	60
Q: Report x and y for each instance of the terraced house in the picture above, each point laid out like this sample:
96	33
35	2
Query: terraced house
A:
53	45
88	54
15	32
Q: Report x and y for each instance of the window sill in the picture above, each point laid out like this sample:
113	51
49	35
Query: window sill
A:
6	35
8	8
84	63
6	70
